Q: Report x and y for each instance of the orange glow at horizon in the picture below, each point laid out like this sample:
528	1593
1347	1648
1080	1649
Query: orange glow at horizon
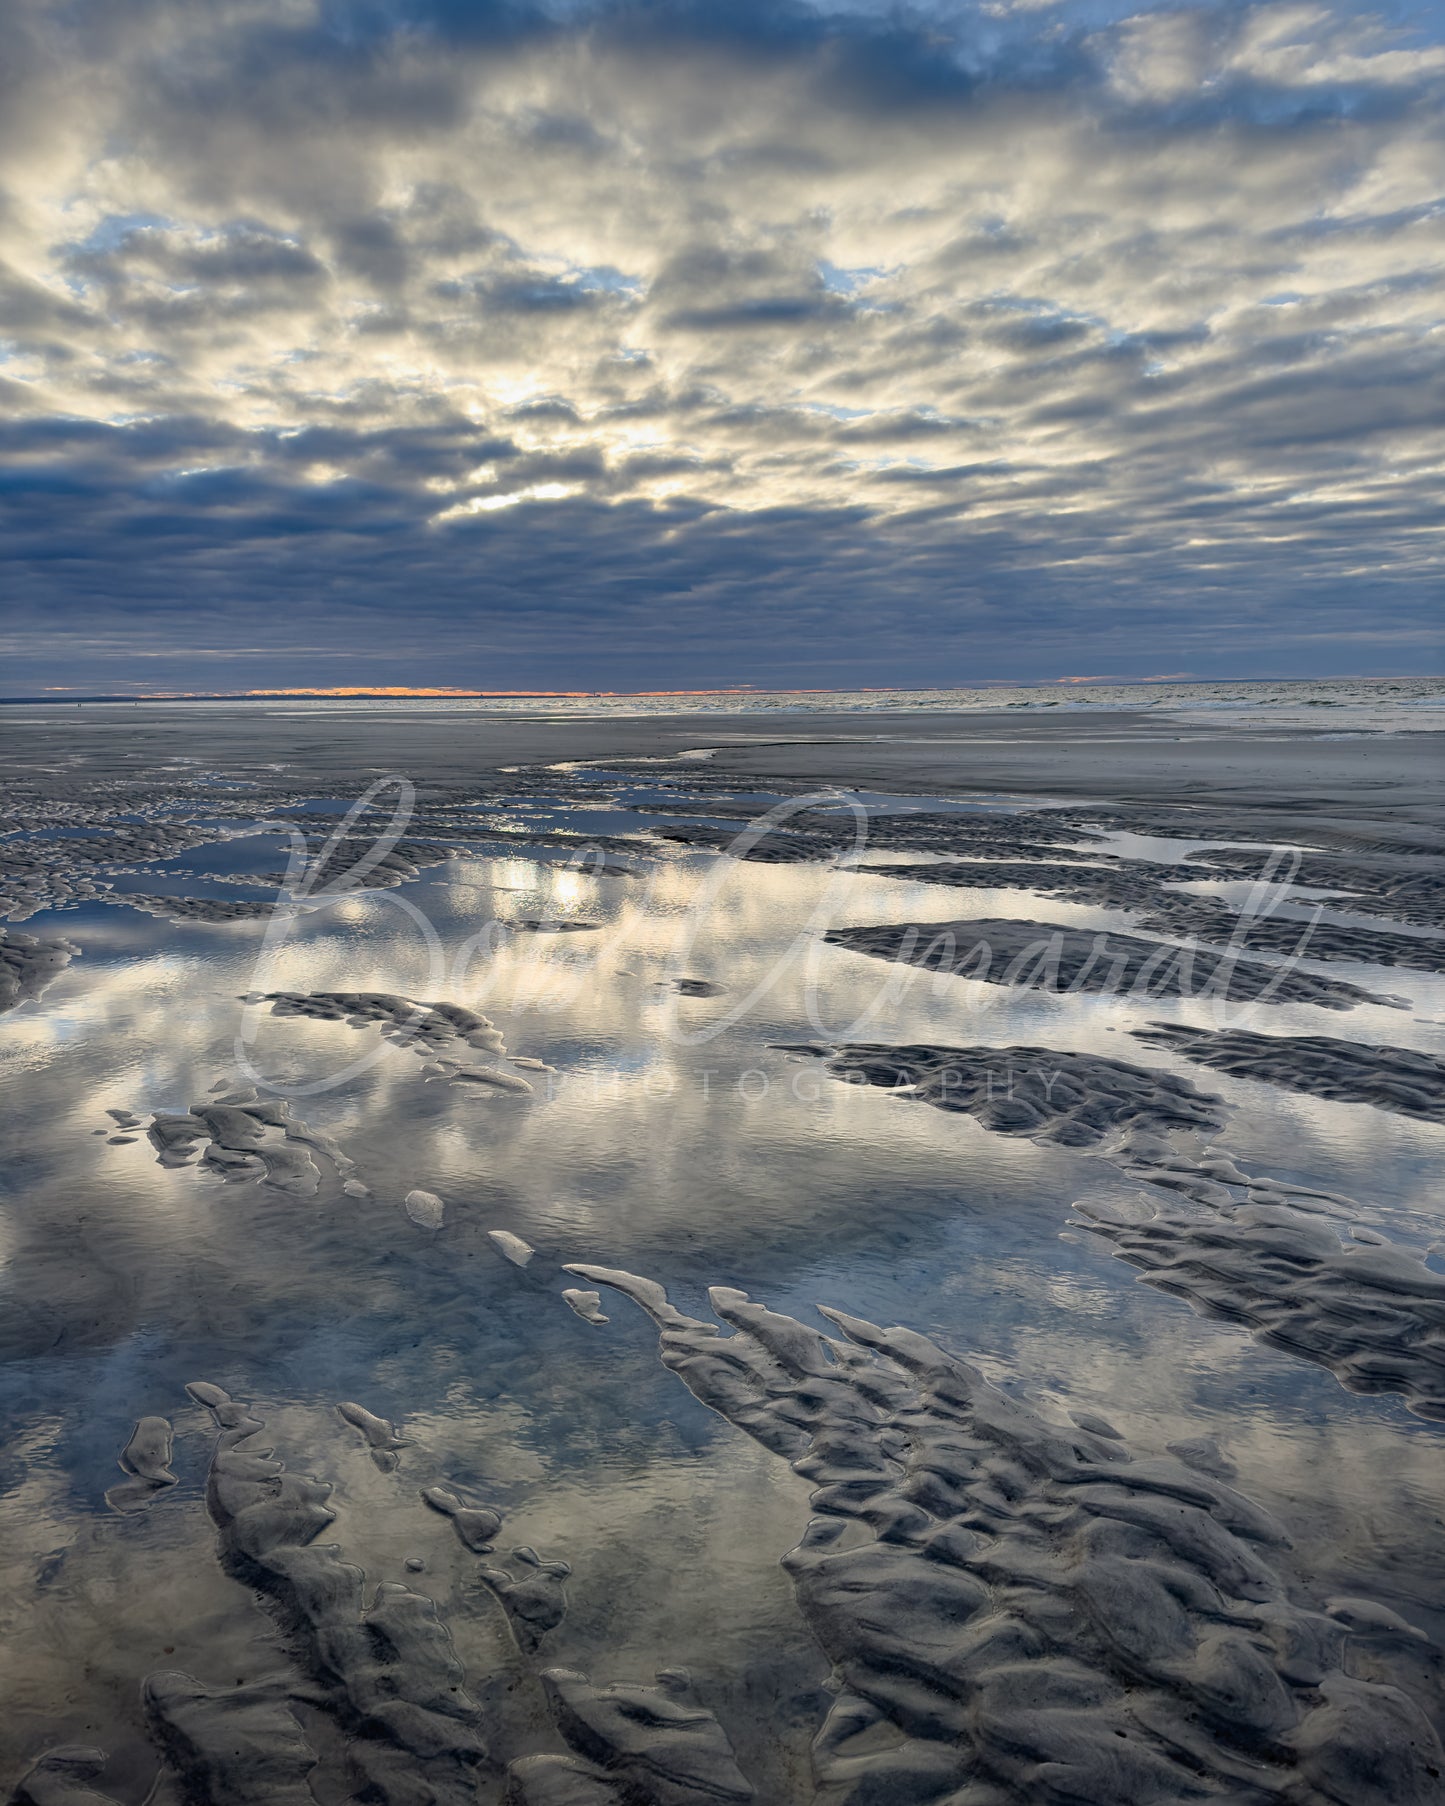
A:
450	690
444	691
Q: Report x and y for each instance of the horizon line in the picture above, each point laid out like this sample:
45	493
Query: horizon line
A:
66	693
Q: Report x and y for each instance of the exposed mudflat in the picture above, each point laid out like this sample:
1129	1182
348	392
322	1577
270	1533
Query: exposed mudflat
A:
1408	891
1301	936
198	909
434	1025
1045	1093
1374	1315
1146	890
1118	886
27	965
1049	956
423	1032
808	835
1024	1607
1352	1072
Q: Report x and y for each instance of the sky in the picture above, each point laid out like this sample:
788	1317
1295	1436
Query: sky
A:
607	346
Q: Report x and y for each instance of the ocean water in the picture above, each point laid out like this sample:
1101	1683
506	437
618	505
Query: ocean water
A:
665	1121
1335	704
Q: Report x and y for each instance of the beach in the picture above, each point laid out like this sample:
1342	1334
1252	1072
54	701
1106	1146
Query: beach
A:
854	1253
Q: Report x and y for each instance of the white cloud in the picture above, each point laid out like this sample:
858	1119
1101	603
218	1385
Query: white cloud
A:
1163	279
489	504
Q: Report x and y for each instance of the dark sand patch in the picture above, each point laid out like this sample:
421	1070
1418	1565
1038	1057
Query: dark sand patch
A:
1076	1100
1255	1258
1407	893
1121	886
1134	886
1300	936
62	1777
47	871
27	965
475	1525
440	1033
1354	1072
146	1459
200	909
241	1136
1087	1101
586	1305
1265	828
435	1026
1373	1314
342	864
650	1744
698	987
379	1433
230	1746
1047	956
764	849
810	836
531	1593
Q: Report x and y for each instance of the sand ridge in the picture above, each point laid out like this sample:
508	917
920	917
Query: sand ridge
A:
1034	1615
27	965
1391	1078
1052	956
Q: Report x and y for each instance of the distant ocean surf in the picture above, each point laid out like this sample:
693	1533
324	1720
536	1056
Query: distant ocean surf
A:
1345	704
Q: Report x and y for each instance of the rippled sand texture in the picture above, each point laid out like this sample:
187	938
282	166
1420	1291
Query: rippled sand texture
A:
338	1465
27	965
1033	1614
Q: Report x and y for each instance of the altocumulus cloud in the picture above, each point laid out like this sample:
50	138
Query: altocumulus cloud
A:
611	344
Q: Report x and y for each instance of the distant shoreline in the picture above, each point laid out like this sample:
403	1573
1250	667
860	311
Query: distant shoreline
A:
744	693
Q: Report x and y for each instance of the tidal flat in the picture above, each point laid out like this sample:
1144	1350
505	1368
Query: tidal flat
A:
858	1259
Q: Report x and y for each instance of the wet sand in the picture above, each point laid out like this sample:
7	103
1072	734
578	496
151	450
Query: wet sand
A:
337	1463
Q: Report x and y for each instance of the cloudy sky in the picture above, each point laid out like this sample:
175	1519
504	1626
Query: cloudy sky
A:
612	346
